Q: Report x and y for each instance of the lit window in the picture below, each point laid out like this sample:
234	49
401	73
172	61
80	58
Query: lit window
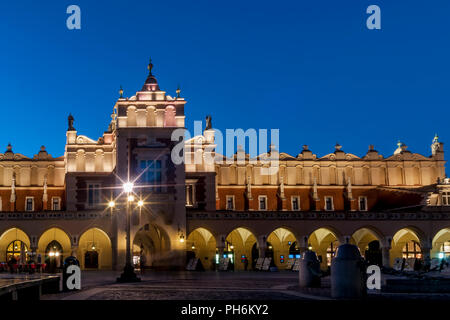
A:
446	198
262	202
329	206
16	249
445	249
331	251
190	195
29	204
362	203
412	250
230	202
295	203
56	203
151	174
93	194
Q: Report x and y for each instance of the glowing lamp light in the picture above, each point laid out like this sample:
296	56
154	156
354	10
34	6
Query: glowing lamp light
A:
130	198
128	187
193	247
181	238
231	247
111	204
441	255
140	203
310	247
51	254
56	254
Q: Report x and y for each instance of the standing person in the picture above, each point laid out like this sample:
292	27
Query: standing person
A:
142	262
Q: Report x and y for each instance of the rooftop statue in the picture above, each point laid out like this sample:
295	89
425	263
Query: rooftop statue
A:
208	122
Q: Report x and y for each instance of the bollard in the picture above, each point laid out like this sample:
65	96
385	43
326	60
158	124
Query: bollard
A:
309	270
348	274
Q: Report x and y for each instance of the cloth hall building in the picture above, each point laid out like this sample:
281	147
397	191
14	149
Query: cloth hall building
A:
397	205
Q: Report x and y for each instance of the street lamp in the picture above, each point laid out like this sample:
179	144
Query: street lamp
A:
128	274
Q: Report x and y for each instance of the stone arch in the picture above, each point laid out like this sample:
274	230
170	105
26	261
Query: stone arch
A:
369	241
239	242
404	237
324	241
94	249
201	243
10	235
154	242
54	234
441	244
281	240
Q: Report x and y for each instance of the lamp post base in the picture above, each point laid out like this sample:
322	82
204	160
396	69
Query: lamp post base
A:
128	275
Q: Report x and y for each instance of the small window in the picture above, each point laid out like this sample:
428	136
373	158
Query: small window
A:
446	198
362	203
93	194
329	206
1	208
230	202
29	204
295	201
190	195
56	203
151	174
262	202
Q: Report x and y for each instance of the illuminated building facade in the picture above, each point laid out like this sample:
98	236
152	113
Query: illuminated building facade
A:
396	206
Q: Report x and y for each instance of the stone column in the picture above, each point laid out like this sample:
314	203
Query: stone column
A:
303	244
386	256
74	250
262	245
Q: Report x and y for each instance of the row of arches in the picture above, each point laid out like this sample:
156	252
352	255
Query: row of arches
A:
93	248
241	245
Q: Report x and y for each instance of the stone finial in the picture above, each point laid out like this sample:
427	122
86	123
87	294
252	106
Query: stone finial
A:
305	147
178	91
337	147
371	147
121	92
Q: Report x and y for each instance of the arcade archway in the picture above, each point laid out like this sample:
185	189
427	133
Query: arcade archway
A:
281	240
441	244
324	242
201	244
405	244
368	242
53	247
94	250
238	247
153	242
14	242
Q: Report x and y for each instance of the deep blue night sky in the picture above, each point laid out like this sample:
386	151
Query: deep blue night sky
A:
310	68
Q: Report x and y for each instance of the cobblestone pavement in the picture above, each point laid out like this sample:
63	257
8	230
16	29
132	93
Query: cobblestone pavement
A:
189	286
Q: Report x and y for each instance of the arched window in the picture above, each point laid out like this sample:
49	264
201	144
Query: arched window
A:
412	250
16	249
